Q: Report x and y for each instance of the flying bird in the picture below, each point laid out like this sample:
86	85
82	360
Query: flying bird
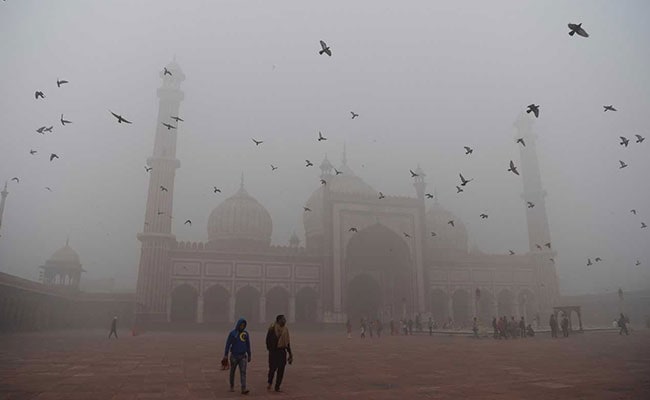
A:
49	129
164	189
598	259
577	28
337	172
434	234
623	165
354	115
468	150
273	167
451	223
609	108
41	130
589	263
353	229
521	140
53	156
512	168
148	169
64	121
406	235
178	119
633	211
60	82
413	174
258	142
188	222
512	253
381	195
38	94
216	189
483	216
534	108
166	72
32	152
637	263
169	126
307	209
429	195
624	141
309	163
15	179
459	189
639	138
530	204
48	189
552	260
325	49
321	137
323	182
160	212
464	181
120	119
538	247
548	245
643	225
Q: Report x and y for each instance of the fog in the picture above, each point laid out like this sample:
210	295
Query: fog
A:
426	78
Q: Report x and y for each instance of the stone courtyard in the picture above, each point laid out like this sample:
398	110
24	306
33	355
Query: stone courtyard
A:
86	365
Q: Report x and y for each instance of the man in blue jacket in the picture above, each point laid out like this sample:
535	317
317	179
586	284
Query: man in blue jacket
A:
239	346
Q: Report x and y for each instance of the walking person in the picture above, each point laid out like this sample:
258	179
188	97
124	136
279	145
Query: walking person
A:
279	345
113	328
363	328
622	323
239	346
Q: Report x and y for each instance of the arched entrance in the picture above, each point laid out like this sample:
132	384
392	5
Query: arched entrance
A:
184	301
277	302
306	305
380	254
506	303
460	308
486	309
247	304
216	301
438	306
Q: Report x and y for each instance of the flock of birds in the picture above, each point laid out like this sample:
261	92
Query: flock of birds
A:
574	29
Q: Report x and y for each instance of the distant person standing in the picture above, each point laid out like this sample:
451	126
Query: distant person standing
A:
278	344
565	326
553	324
475	327
430	326
495	328
348	326
371	326
392	327
239	346
410	326
522	327
622	323
379	326
113	328
363	328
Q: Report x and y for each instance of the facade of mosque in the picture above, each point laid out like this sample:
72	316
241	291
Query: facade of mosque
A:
363	255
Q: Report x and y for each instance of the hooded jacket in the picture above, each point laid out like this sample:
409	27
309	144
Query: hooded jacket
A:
238	342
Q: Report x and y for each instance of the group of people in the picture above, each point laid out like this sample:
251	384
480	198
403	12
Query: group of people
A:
505	328
237	353
564	324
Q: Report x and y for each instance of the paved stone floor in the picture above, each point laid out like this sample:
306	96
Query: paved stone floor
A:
86	365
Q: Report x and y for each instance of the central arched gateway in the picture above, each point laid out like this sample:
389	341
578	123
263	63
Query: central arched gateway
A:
379	275
184	304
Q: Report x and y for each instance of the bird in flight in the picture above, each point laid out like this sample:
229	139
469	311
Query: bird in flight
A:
307	209
188	222
258	142
38	94
609	108
321	137
48	189
49	129
589	263
164	189
577	28
521	140
64	121
639	138
530	204
323	182
512	168
15	179
148	169
451	223
353	229
381	195
406	235
216	189
459	189
624	141
552	260
623	165
633	211
32	152
325	49
548	245
53	156
512	253
60	82
160	212
538	247
309	163
120	119
337	172
598	259
534	108
178	119
429	195
483	216
434	234
464	181
468	150
643	225
168	126
273	167
41	130
166	72
354	115
413	174
637	263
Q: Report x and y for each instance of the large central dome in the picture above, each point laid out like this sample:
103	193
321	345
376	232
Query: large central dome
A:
240	222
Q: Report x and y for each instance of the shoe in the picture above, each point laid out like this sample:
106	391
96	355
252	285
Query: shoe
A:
245	391
277	389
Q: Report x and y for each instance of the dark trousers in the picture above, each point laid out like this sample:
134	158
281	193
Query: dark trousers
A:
623	329
113	332
277	362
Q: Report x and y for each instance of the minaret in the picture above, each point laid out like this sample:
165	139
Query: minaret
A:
153	274
4	194
418	182
538	230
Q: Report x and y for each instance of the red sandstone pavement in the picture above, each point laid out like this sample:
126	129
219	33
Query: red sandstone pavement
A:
86	365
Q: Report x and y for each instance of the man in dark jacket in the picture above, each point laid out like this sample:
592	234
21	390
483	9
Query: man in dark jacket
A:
239	346
278	344
113	328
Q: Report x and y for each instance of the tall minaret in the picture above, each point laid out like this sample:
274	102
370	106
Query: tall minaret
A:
538	231
4	194
153	273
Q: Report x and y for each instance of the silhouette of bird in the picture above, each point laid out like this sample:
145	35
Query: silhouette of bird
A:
48	189
64	121
406	235
577	28
598	259
429	195
120	119
534	108
60	82
413	174
38	94
177	119
309	163
451	223
609	108
188	222
521	140
216	189
164	189
148	169
530	204
32	152
464	181
354	115
307	209
633	211
325	49
337	172
53	156
623	165
169	126
321	137
353	229
15	179
483	216
589	263
468	150
538	247
639	138
49	129
41	130
381	195
637	263
323	182
624	141
552	260
512	253
643	225
258	142
166	72
273	167
160	212
434	234
512	168
459	189
548	245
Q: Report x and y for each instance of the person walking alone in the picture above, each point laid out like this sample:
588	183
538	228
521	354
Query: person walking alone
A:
279	345
239	346
113	328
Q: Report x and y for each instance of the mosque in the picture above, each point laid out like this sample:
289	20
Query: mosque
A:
392	266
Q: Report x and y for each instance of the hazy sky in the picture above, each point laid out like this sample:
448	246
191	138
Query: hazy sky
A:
426	78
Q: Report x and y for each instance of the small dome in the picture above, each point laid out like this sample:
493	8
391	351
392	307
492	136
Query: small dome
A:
240	220
447	236
65	256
